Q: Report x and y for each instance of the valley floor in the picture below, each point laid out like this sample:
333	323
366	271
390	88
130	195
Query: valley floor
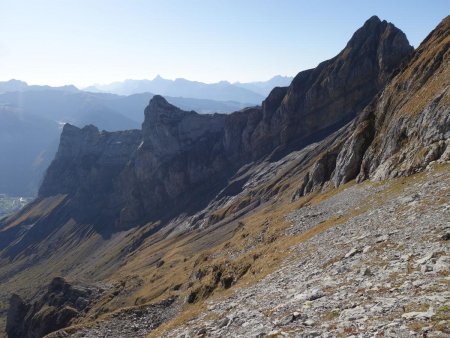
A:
375	262
9	204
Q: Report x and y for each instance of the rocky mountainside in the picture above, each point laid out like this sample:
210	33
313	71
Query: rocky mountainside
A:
31	119
193	206
186	158
406	127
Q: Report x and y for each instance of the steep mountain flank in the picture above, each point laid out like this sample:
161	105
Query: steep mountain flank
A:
192	205
338	89
179	164
412	116
322	99
31	120
186	158
86	168
405	127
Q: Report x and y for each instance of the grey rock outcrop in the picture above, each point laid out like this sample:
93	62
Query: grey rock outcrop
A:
86	168
338	89
405	127
410	120
50	311
181	159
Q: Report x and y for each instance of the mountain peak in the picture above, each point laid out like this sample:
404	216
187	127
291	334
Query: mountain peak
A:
158	101
372	28
68	127
17	82
159	111
381	40
374	19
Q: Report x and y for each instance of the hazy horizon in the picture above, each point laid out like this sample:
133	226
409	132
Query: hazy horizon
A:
85	43
141	79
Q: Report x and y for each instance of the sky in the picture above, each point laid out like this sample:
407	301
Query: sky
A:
82	42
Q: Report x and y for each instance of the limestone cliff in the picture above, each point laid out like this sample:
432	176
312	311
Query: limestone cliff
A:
179	164
86	168
184	159
403	129
158	209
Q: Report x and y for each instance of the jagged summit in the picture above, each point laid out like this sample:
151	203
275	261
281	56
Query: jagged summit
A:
183	154
388	42
401	132
158	100
337	89
68	127
158	105
159	111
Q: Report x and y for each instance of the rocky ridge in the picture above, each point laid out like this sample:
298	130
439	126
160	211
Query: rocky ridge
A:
185	158
403	129
247	161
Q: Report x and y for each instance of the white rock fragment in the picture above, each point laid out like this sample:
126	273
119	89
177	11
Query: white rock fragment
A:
442	264
419	315
426	258
352	252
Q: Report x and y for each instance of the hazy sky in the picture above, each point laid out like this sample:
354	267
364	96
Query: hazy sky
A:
82	42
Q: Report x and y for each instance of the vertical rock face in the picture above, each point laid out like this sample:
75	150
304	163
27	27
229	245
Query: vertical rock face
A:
179	162
321	100
16	313
86	167
182	159
406	126
334	92
168	130
412	115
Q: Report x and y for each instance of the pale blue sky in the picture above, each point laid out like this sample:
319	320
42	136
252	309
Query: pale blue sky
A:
83	42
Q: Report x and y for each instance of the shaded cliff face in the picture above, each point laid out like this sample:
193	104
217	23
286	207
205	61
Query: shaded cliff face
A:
180	163
86	168
322	99
184	159
403	129
53	310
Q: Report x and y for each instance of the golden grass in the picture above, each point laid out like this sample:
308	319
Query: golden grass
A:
248	248
272	254
40	208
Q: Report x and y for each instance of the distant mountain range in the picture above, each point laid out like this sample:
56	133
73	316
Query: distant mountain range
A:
21	86
251	92
31	117
265	87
